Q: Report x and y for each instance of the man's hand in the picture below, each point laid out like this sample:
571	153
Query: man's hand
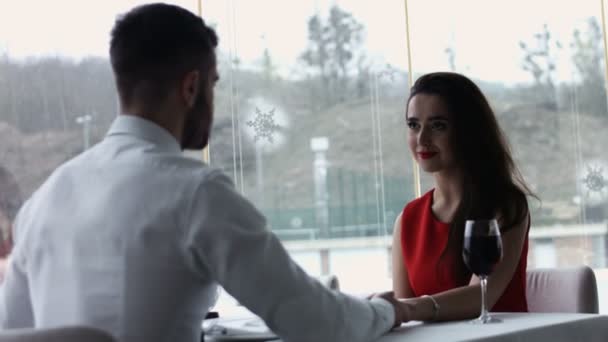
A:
403	310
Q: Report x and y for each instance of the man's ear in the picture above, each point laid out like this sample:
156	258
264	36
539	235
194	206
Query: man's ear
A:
190	87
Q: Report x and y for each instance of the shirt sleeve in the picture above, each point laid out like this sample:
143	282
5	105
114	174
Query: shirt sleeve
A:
15	303
228	239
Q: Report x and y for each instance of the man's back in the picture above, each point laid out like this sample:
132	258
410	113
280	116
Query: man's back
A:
132	238
103	240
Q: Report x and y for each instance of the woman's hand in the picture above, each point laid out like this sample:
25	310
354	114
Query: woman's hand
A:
403	309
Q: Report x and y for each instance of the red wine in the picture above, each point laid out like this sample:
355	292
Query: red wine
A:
482	253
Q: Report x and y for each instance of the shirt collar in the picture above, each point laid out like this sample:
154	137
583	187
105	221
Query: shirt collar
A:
146	130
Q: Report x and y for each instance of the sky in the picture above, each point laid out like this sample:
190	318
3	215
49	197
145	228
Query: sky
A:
484	33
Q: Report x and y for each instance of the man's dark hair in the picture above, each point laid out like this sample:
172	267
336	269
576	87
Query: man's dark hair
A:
153	46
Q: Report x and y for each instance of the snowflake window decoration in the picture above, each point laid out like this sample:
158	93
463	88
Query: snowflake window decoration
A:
263	125
594	180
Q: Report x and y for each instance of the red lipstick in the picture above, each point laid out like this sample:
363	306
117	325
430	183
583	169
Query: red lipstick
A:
427	155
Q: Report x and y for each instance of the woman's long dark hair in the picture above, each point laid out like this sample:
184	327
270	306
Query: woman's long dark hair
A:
491	183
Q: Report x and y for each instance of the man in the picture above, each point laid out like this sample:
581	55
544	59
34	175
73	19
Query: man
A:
132	238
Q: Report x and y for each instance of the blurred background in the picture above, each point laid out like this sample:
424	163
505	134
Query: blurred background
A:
310	112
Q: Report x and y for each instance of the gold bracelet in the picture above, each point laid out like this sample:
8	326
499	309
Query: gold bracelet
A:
436	306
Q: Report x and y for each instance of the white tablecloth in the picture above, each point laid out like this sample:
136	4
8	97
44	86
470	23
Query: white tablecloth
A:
553	327
519	327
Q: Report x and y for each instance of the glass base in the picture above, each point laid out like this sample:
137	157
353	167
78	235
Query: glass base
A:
487	319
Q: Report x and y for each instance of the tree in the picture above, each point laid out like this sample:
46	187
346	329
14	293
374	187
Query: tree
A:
268	68
588	59
332	50
451	55
540	60
345	38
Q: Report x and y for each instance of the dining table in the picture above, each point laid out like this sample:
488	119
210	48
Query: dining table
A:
514	327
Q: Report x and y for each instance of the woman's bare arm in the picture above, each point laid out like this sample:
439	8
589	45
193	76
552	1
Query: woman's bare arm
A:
401	282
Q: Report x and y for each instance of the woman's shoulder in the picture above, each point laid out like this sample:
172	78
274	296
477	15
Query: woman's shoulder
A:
417	208
419	203
415	216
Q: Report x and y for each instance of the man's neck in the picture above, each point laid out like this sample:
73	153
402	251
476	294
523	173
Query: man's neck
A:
164	119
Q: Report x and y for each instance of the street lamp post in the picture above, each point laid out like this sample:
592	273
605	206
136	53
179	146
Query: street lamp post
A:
85	121
319	146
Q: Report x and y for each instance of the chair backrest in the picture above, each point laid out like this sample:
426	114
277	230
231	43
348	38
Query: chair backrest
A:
330	281
60	334
562	290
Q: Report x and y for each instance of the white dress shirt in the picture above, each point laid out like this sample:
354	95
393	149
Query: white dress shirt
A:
133	238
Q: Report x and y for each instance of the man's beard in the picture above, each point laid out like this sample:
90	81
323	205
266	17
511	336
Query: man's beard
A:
197	126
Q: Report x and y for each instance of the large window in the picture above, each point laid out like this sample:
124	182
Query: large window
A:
310	118
310	112
309	123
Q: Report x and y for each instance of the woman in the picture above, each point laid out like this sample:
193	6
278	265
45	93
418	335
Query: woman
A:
454	136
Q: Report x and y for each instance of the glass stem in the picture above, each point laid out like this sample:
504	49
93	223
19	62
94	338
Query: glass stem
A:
484	306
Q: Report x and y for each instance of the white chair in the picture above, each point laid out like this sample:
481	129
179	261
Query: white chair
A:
330	281
562	290
60	334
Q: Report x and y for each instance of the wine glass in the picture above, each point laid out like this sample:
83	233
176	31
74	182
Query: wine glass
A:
482	251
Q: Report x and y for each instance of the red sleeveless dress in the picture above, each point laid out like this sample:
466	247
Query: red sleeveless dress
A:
423	239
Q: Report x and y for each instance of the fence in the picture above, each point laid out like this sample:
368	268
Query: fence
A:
359	205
